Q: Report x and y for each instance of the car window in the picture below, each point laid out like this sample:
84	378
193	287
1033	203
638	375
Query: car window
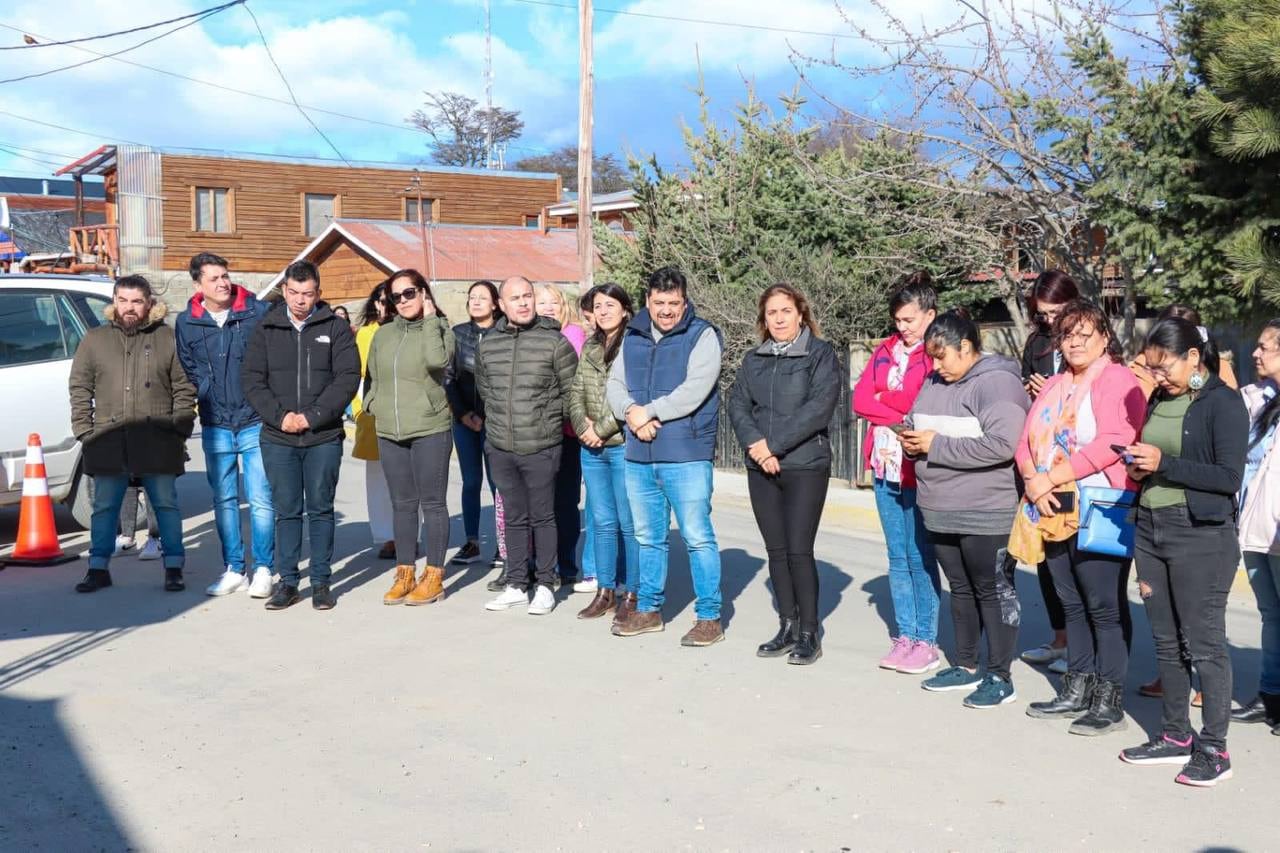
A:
34	329
91	308
73	326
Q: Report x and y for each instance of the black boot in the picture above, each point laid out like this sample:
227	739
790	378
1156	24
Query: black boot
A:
1254	712
173	581
807	649
1072	700
1106	711
94	580
322	597
782	642
1271	701
282	596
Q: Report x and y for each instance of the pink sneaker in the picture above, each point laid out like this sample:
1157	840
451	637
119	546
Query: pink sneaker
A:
901	648
922	658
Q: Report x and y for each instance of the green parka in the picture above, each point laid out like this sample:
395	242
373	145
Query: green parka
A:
587	397
407	363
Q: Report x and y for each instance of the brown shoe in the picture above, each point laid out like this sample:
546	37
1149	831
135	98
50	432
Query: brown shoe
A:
626	606
430	588
1154	690
402	586
637	623
603	603
1197	701
703	633
388	550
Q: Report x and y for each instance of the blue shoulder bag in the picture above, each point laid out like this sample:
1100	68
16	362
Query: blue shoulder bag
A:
1105	521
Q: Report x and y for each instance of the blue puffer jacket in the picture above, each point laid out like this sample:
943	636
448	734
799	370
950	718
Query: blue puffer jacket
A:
212	357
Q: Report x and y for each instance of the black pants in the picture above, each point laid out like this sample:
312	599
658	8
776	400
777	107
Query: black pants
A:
527	483
1093	589
568	519
979	573
1187	569
787	509
1052	604
417	473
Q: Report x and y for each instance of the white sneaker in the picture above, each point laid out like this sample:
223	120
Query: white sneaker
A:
1045	654
586	585
544	601
512	596
152	550
1059	666
227	583
123	543
261	586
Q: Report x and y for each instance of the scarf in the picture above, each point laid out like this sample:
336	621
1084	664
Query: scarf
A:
886	453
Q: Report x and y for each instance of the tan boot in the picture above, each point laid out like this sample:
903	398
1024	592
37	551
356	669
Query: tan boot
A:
430	587
402	586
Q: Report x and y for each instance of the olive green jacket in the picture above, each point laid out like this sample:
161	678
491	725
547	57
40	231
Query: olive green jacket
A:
587	397
407	363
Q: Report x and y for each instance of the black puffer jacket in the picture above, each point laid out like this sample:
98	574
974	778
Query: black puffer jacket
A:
788	401
461	387
315	373
523	374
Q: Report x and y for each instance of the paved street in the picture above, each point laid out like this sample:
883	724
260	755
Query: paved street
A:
136	719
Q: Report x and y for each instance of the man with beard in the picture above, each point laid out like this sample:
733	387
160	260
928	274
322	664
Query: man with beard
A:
132	408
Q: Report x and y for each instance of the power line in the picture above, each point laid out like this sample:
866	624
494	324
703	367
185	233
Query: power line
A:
39	161
682	20
211	10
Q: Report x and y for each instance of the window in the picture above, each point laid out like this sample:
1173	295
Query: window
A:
212	210
411	209
37	327
318	210
92	309
531	220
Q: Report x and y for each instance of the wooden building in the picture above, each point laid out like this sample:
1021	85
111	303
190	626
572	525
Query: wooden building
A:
616	210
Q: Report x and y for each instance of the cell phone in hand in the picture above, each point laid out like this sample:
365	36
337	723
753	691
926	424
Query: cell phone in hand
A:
1125	456
1066	501
899	429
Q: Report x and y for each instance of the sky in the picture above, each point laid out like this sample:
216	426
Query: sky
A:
373	59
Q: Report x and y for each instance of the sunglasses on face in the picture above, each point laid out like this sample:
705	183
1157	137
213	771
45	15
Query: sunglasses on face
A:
405	295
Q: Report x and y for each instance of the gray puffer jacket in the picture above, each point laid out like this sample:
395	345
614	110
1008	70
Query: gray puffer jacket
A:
523	375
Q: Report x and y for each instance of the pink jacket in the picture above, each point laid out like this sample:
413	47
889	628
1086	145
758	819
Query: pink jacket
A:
891	406
1119	409
578	337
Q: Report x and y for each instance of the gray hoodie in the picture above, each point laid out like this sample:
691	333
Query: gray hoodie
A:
967	483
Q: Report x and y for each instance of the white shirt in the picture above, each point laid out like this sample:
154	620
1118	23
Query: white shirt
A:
220	317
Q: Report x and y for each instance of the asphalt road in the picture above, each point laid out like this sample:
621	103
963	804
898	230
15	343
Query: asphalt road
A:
136	719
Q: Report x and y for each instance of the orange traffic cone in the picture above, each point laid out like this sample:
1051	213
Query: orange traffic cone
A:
37	543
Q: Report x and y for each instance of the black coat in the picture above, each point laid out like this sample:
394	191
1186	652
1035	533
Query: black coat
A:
1037	356
788	401
1215	441
461	385
523	374
314	373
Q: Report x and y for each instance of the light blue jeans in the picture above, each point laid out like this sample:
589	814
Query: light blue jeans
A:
914	584
227	455
1264	577
609	517
655	490
108	494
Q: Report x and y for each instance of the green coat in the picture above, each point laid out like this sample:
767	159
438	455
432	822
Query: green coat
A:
523	377
407	362
587	397
132	405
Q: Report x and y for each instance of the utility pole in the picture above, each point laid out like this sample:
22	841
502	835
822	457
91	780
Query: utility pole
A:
488	87
415	187
586	122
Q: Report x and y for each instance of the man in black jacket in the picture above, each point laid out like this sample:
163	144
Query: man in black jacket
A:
301	369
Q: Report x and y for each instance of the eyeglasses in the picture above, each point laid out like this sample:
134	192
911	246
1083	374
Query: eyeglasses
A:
1162	372
405	295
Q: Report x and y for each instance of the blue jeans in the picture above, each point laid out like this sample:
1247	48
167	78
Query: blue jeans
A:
608	517
1264	577
914	584
226	451
469	445
655	490
108	494
303	477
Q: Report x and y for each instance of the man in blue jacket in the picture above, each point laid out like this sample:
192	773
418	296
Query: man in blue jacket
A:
212	334
665	385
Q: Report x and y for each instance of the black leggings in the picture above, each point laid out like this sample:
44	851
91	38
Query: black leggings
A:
1052	604
527	483
980	574
788	508
568	518
1094	592
417	473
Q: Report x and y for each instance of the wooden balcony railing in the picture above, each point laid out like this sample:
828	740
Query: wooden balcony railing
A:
96	244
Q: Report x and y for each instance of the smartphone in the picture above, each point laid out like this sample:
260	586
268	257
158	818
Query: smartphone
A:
1125	456
900	428
1066	501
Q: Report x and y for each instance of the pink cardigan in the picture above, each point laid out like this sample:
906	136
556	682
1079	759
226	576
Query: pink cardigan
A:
892	405
1119	408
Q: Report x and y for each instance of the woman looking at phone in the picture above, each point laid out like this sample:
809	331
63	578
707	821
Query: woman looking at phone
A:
1069	443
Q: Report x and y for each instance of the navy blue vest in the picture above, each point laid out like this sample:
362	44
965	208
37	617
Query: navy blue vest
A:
655	369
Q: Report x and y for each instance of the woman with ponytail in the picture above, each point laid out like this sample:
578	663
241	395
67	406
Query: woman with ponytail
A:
1260	522
1190	463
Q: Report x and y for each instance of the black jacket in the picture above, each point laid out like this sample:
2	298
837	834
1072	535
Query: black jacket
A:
1037	356
315	373
1215	441
523	374
461	386
788	401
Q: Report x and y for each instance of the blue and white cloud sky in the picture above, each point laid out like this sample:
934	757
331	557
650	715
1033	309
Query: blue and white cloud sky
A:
374	58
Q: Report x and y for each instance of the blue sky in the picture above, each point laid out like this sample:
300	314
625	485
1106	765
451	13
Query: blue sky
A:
372	59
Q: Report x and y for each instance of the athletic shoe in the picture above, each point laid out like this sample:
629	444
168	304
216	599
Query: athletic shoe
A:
952	678
512	596
992	692
1208	766
1058	666
123	543
1161	749
922	658
227	583
468	553
1046	654
260	587
152	550
498	582
587	585
897	653
544	601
